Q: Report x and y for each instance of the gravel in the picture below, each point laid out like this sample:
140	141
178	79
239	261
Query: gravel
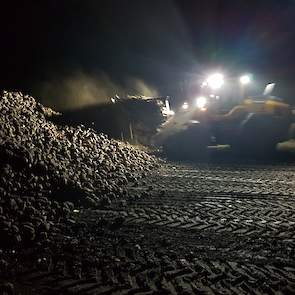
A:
48	170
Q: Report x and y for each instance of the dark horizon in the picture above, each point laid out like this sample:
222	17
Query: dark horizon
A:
169	45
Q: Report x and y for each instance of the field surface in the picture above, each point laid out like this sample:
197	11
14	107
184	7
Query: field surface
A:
185	229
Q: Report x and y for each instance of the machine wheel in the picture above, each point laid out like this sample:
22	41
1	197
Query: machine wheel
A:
188	144
259	134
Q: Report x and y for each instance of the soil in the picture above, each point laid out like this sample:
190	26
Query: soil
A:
184	229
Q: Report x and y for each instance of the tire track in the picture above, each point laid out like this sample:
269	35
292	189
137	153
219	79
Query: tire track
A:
191	230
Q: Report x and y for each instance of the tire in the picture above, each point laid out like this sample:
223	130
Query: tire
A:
259	134
188	144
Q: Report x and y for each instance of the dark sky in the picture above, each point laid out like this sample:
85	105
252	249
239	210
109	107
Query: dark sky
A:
167	43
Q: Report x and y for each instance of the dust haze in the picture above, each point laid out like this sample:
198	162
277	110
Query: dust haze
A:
80	89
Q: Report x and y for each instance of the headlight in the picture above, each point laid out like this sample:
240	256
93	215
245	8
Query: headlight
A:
215	81
201	102
245	79
185	106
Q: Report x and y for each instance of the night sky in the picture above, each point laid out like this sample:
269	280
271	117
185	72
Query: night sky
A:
171	45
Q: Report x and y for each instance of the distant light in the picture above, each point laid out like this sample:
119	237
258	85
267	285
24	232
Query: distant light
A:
215	81
212	95
185	106
245	79
201	102
204	84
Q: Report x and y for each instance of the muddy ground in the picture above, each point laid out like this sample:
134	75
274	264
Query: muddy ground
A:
186	229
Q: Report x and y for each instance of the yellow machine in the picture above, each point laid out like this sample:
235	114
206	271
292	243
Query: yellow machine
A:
253	127
268	106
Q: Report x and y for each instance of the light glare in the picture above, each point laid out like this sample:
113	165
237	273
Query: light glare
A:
215	81
201	102
245	79
185	106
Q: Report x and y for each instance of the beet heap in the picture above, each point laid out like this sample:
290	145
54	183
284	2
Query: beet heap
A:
47	169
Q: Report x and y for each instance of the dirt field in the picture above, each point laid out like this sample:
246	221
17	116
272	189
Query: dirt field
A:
202	229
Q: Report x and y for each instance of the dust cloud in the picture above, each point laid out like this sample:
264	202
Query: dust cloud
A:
80	89
137	86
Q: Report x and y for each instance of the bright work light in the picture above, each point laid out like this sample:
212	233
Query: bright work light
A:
215	81
201	102
245	79
185	106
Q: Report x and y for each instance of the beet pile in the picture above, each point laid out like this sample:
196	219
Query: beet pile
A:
47	169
